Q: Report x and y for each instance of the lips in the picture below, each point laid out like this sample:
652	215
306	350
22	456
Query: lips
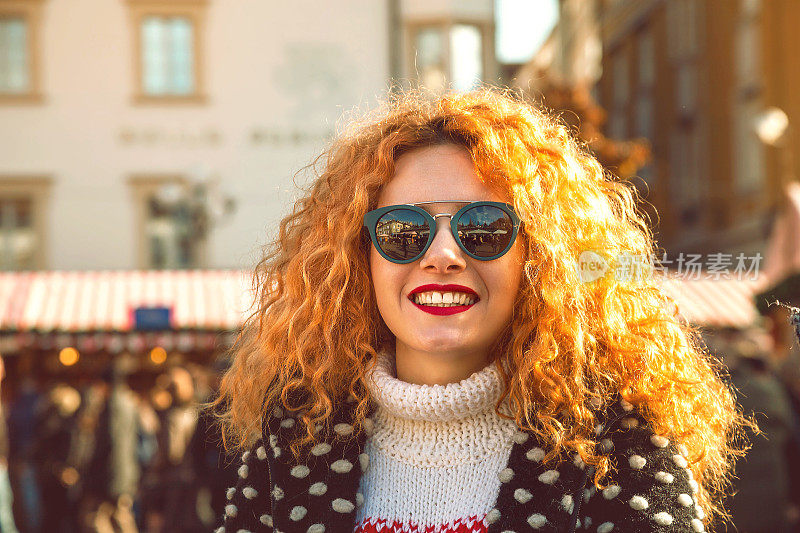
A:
440	311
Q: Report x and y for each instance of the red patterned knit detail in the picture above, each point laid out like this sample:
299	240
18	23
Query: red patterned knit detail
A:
471	524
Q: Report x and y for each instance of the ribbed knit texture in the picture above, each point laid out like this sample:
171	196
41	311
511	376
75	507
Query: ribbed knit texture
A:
435	453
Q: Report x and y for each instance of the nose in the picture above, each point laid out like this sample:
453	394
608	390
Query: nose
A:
443	255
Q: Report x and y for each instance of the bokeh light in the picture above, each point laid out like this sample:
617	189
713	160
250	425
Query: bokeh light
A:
68	356
158	355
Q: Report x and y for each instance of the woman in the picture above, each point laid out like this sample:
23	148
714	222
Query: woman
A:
470	383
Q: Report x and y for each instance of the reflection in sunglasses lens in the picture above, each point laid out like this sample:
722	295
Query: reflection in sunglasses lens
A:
402	234
485	230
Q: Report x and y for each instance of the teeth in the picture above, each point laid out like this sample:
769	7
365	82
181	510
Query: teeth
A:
444	299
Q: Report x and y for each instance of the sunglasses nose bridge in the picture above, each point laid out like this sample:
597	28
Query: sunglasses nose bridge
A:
443	228
444	252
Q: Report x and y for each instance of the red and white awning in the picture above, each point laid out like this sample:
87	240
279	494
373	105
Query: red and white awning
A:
710	302
92	310
58	301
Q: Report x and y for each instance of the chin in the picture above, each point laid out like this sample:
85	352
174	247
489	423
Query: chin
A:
440	344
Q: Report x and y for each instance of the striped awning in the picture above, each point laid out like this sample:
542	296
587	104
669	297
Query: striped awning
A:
705	301
94	310
58	301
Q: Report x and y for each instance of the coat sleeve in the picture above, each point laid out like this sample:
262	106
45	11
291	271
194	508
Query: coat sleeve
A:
650	487
248	505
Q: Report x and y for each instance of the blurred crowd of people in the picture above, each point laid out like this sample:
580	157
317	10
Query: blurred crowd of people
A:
123	452
133	452
764	369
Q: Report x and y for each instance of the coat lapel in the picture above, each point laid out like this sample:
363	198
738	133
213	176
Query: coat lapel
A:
539	496
320	486
532	494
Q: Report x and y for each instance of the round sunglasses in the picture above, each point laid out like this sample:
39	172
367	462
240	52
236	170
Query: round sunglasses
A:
403	233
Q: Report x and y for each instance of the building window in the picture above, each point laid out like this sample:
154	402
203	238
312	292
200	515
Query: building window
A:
620	95
19	27
17	235
751	8
14	68
686	89
22	223
748	50
749	152
167	232
466	45
448	55
431	62
645	86
646	60
644	126
168	50
685	164
748	53
621	78
682	28
167	56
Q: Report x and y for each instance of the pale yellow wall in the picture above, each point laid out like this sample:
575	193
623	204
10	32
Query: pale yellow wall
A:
270	67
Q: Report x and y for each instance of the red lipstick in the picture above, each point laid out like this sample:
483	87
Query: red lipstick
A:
442	288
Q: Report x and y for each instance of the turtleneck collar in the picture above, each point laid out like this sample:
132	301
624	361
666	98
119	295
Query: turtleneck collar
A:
437	425
432	403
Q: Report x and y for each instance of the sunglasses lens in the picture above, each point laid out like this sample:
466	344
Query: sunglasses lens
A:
402	234
485	230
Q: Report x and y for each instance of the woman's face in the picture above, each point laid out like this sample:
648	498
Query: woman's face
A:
444	173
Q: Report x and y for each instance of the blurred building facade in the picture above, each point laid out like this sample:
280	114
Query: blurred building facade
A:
572	53
691	77
166	134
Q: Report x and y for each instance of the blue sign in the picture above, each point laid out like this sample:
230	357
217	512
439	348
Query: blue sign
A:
152	318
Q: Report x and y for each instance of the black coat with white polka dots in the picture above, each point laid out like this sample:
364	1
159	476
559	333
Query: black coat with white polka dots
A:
650	488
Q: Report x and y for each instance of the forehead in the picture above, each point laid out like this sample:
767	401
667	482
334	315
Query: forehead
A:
436	173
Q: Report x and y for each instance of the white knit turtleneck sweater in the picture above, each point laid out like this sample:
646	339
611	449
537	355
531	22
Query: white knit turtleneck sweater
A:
435	453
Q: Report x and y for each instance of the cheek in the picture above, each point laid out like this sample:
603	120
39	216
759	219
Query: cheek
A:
505	277
375	272
385	284
517	270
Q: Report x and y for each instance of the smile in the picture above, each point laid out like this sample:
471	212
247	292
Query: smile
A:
443	300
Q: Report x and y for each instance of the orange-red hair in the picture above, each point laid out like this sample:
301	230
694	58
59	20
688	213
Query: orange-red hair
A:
316	328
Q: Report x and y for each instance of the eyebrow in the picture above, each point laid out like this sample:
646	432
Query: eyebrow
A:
446	202
430	206
425	205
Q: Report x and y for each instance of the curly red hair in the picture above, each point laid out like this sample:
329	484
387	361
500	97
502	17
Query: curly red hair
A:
316	329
